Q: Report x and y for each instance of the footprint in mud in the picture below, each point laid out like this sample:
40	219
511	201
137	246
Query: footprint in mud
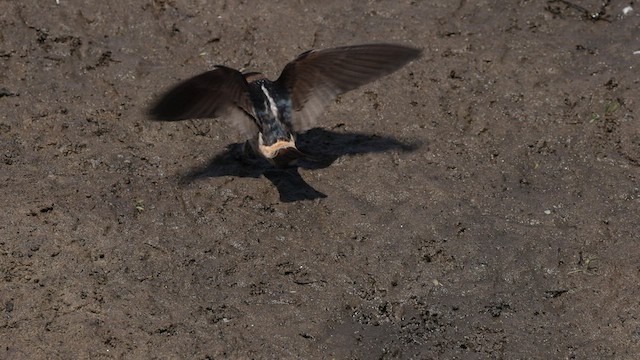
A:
323	146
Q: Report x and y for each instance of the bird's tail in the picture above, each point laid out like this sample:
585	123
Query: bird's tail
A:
287	156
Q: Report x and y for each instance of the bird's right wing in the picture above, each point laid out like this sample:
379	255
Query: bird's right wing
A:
315	78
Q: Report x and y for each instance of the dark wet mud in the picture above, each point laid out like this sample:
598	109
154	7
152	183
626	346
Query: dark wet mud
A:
482	202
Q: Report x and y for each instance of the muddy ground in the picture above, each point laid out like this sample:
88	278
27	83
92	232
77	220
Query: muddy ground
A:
483	201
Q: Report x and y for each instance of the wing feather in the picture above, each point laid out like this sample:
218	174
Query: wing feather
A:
222	92
315	78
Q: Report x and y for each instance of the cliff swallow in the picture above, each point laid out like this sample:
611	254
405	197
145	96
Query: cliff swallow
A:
268	112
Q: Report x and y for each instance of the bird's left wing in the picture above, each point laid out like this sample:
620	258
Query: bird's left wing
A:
222	92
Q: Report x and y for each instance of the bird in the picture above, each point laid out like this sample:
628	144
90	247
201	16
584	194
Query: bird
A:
271	113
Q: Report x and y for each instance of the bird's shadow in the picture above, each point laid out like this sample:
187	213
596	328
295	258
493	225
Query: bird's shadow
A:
323	147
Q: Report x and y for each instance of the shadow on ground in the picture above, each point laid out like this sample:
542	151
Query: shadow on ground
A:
323	147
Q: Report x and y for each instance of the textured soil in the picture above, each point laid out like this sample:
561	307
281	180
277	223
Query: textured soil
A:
482	202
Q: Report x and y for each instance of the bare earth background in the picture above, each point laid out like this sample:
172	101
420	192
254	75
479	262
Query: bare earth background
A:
484	201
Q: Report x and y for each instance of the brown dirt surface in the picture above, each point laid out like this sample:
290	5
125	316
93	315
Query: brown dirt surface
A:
481	202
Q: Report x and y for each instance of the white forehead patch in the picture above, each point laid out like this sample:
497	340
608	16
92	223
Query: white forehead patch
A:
272	104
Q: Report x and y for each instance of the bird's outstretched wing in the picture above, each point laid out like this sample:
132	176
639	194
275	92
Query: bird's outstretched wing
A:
222	92
315	78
